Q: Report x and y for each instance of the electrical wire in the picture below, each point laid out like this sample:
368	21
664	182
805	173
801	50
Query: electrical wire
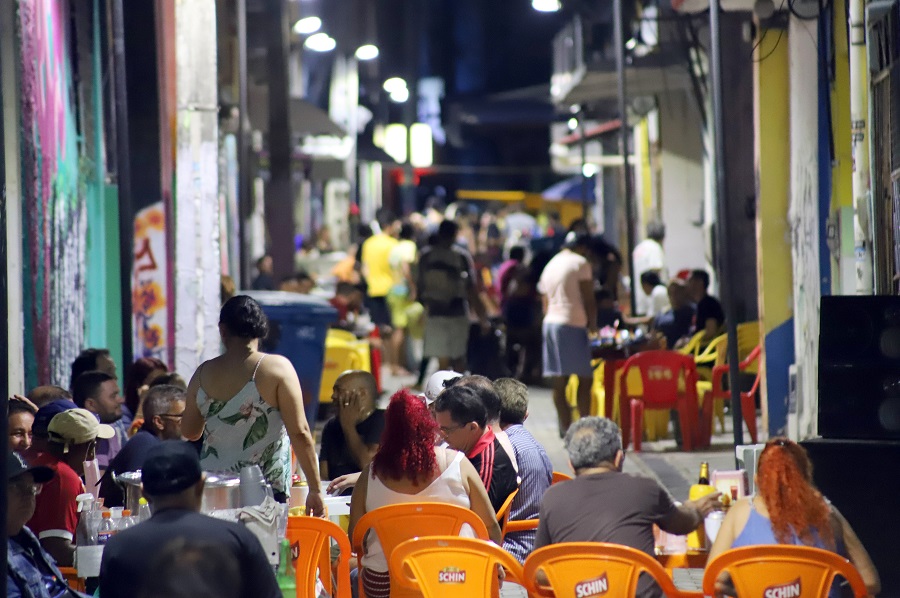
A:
763	37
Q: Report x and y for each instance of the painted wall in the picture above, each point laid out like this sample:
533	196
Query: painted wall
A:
682	188
773	236
53	195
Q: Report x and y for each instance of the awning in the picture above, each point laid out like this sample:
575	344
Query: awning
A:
306	118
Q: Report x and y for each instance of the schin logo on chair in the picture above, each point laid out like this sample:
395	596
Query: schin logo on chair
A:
784	590
592	587
451	575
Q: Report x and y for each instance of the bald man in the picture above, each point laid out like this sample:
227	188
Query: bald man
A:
351	438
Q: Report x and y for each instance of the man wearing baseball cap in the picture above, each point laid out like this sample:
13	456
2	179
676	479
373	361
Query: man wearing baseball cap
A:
173	483
30	571
39	438
71	439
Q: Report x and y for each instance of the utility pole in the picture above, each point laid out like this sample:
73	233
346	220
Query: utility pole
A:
623	149
722	237
859	110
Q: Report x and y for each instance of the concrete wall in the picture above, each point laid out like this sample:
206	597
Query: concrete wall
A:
682	185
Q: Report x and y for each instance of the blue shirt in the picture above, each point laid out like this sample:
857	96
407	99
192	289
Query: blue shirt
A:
536	473
31	572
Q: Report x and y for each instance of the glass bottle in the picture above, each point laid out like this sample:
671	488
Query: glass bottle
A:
704	474
286	577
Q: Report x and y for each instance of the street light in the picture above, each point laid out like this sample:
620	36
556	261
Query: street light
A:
400	95
367	52
307	25
546	5
320	42
393	84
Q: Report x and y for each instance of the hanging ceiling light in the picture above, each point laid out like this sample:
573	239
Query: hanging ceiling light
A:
393	84
307	25
546	5
367	52
320	42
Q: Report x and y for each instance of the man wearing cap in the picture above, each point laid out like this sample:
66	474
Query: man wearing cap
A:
30	571
72	439
40	440
570	313
173	483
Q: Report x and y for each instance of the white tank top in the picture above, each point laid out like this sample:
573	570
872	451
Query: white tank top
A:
447	488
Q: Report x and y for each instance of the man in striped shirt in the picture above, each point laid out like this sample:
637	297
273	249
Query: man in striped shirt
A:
535	470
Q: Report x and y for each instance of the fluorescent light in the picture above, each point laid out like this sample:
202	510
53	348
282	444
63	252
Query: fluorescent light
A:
307	25
573	123
320	42
400	95
395	142
546	5
367	52
421	143
393	84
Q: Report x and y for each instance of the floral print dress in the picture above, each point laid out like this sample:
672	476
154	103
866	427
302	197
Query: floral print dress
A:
245	430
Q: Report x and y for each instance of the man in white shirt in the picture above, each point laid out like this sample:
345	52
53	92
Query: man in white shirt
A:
649	256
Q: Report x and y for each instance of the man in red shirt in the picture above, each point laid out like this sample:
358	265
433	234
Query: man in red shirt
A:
73	437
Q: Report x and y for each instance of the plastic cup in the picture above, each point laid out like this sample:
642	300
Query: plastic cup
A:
712	524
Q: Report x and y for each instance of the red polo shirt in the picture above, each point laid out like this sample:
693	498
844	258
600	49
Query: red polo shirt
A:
56	514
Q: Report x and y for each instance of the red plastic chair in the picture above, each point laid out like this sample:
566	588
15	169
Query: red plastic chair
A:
660	374
782	570
748	399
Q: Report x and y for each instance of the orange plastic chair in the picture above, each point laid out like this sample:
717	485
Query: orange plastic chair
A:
309	537
660	372
395	524
505	508
72	579
524	525
798	570
559	476
445	566
718	392
589	568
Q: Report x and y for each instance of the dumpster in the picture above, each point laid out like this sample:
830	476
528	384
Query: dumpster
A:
298	326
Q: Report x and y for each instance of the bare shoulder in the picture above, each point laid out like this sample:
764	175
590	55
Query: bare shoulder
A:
273	364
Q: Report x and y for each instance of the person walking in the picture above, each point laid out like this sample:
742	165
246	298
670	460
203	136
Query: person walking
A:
570	314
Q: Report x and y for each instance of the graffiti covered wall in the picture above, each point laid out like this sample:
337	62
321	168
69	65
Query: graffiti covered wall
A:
53	195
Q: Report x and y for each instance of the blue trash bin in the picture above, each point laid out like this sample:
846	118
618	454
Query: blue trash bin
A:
298	325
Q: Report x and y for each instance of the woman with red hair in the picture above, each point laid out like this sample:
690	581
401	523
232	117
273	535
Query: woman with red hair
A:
788	509
408	467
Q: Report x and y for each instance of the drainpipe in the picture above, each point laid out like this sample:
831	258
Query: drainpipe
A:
859	110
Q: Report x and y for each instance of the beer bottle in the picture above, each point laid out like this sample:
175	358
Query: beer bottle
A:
704	474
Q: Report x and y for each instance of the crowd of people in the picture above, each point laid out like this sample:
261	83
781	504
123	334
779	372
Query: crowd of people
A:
458	437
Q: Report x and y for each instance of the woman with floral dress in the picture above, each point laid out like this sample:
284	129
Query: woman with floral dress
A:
251	406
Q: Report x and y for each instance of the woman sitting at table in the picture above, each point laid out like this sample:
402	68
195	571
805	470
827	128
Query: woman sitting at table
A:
788	509
408	467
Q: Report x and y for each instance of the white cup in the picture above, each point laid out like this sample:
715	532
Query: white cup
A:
712	524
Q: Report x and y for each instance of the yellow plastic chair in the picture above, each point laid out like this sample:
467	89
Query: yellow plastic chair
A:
395	524
343	351
782	570
449	566
716	355
310	537
593	569
694	346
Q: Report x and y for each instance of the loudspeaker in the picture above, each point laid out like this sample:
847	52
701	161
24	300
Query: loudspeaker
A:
859	367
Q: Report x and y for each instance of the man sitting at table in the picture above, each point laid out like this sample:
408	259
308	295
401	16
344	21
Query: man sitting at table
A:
675	324
602	504
462	420
173	483
30	571
72	438
351	438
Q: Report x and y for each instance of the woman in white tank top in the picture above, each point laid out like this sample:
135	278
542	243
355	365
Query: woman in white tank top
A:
409	468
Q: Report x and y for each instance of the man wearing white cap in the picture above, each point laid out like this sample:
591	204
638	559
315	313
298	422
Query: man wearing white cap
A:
437	383
73	438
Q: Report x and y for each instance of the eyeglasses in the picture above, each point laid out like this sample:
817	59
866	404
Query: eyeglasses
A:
27	488
447	430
